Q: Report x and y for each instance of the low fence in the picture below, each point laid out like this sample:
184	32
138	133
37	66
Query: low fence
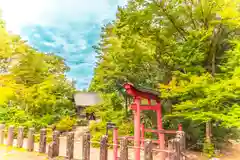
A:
174	151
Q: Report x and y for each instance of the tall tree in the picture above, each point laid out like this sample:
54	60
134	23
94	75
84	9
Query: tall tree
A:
183	44
34	87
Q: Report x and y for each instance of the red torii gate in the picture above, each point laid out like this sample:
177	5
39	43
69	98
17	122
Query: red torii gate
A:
139	129
138	95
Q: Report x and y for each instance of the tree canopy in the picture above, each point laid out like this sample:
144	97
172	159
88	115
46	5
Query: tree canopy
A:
187	49
34	89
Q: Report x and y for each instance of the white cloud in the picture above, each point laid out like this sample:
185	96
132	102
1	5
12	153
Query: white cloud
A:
36	35
82	44
49	44
19	13
63	27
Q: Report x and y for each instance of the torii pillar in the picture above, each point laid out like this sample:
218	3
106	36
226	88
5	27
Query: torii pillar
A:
138	95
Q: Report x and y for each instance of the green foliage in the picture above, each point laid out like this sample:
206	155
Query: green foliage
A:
209	149
34	89
82	122
190	48
98	129
105	113
66	124
49	136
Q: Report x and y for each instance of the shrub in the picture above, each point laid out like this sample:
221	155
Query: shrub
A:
82	122
66	124
208	149
49	136
98	129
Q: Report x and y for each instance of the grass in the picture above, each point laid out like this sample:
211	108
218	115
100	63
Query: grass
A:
9	148
21	153
22	150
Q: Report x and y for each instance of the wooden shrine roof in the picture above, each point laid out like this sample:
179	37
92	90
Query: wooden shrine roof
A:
141	91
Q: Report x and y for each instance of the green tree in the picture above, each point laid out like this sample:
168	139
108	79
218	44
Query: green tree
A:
187	46
35	90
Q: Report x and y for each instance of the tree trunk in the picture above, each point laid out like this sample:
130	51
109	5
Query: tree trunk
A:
213	52
208	132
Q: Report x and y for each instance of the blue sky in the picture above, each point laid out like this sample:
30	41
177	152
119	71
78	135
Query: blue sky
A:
68	28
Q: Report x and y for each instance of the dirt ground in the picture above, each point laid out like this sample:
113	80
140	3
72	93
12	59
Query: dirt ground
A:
10	153
230	153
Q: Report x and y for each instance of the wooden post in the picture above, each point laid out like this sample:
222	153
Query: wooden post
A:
10	136
148	150
177	149
70	146
137	135
171	148
2	127
30	141
160	125
182	137
179	127
86	146
170	144
51	150
208	132
104	148
20	137
124	149
43	141
142	135
56	135
115	143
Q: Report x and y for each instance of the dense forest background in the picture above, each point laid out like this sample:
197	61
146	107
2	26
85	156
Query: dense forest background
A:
188	50
34	89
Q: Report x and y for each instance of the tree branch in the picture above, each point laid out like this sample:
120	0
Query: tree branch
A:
191	14
180	30
204	18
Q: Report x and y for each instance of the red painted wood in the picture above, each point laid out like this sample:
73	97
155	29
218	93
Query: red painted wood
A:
137	129
160	126
144	107
149	102
179	127
131	90
115	144
161	131
131	138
